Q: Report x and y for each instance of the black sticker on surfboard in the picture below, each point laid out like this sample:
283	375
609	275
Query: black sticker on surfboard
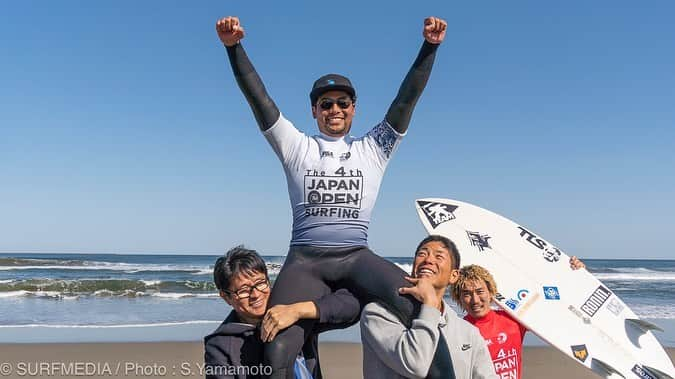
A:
437	213
642	373
479	240
580	352
550	253
595	301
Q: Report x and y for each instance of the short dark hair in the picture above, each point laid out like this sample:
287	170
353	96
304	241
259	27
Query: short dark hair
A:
454	253
237	260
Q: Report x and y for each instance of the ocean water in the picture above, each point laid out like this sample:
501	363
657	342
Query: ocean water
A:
108	297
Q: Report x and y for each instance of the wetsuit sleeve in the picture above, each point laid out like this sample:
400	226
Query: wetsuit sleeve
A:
401	108
409	352
265	111
337	310
216	360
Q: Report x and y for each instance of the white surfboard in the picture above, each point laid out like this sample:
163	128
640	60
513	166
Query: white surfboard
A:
569	309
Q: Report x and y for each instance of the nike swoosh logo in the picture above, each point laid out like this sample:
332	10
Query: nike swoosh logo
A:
466	347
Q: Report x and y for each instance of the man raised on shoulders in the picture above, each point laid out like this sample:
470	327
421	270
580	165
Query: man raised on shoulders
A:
333	181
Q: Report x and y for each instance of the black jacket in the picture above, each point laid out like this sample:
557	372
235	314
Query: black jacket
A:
234	349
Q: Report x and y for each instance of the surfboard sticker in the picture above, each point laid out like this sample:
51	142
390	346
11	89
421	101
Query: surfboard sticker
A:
522	294
578	313
437	213
479	240
614	305
551	293
548	251
642	373
594	302
580	352
537	287
656	373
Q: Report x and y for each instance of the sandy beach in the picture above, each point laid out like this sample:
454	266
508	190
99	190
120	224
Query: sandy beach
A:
185	360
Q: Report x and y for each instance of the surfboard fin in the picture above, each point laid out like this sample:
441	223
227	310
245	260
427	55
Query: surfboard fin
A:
643	325
609	370
658	374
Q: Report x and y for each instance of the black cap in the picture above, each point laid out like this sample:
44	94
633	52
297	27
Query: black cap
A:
331	82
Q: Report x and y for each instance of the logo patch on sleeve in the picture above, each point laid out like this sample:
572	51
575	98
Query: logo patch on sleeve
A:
385	137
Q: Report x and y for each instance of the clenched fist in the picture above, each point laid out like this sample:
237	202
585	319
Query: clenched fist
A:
229	30
434	30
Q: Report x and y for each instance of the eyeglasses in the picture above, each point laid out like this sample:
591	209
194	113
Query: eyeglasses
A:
327	103
245	291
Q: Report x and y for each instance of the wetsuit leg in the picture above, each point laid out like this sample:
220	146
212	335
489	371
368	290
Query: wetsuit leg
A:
296	282
378	279
373	278
307	275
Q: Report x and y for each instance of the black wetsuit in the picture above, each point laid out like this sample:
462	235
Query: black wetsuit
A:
311	271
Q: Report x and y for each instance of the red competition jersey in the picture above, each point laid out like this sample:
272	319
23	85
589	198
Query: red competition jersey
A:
504	338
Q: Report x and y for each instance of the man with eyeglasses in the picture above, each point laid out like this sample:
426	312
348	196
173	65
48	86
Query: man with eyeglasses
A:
333	181
235	349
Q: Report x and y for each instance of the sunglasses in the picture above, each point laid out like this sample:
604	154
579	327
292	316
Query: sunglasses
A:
327	103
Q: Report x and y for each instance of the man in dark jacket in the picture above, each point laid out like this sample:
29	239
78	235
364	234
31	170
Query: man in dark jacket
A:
235	349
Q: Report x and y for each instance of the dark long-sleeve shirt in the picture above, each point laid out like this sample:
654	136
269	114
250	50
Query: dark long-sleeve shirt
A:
237	345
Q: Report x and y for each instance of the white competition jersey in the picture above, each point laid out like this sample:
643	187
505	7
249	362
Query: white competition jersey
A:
332	182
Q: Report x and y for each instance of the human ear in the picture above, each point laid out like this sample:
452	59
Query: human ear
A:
454	276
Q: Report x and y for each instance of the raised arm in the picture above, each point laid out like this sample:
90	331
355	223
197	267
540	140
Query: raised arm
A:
265	111
400	111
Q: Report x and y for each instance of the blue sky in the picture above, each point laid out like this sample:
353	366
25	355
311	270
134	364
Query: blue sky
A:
122	129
